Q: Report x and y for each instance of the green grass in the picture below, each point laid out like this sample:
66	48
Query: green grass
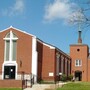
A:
10	89
76	86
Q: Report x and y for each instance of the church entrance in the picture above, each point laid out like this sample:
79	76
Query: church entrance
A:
78	75
9	72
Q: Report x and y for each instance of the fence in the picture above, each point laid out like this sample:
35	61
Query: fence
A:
27	83
22	80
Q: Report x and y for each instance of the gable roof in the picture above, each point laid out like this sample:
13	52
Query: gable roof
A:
11	27
44	43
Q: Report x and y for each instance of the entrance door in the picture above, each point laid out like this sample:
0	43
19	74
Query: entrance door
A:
78	75
9	72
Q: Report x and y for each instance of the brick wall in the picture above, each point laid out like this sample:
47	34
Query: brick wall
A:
80	52
24	50
10	83
40	57
48	63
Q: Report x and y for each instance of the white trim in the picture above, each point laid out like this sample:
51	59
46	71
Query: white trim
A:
10	55
51	47
9	63
48	45
79	62
11	38
34	58
17	30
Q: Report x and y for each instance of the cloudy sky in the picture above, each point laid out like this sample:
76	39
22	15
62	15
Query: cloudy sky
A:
47	19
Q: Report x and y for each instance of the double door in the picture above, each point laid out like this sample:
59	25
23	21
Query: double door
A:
9	72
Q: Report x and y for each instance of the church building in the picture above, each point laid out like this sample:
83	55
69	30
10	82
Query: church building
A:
23	56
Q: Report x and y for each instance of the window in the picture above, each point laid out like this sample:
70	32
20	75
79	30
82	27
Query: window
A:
14	50
78	63
57	67
57	63
7	50
78	50
10	46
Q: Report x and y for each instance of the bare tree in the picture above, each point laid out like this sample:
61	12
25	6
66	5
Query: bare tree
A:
80	16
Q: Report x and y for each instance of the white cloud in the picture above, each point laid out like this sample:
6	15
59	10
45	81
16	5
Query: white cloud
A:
59	9
15	9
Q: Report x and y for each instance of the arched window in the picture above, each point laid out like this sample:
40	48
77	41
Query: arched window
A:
10	46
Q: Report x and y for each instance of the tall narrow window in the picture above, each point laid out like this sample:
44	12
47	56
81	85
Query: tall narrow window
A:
57	63
14	50
10	46
7	50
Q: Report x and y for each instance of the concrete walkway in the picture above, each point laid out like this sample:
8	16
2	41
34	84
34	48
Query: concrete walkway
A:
45	86
38	87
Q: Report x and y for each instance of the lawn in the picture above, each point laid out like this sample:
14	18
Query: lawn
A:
10	89
76	86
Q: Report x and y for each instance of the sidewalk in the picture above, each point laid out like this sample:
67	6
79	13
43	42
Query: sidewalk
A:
45	86
38	87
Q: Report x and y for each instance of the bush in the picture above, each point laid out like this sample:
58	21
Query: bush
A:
70	77
64	78
45	82
40	81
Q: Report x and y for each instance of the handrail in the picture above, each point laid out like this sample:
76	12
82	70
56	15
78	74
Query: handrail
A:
26	81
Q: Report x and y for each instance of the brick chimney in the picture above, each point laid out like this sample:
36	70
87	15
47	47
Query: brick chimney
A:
79	37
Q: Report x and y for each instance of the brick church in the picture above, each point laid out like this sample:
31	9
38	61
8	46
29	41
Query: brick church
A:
23	56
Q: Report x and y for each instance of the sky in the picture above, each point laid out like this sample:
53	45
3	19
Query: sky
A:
46	19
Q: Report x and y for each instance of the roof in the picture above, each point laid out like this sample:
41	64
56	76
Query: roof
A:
18	30
78	45
53	47
44	43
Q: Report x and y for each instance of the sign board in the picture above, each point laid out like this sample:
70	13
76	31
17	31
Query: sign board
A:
50	74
